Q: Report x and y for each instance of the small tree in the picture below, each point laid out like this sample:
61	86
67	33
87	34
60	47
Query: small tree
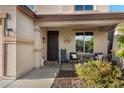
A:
120	40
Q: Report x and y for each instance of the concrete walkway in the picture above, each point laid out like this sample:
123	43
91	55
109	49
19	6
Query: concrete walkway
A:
4	83
67	66
42	78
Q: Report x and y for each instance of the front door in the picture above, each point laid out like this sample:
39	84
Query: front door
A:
52	47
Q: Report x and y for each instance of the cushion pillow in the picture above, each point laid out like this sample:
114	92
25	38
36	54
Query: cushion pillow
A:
74	56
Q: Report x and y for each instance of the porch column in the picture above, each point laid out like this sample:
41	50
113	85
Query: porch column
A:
37	48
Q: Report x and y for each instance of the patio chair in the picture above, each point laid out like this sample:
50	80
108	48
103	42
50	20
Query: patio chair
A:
74	57
98	56
63	56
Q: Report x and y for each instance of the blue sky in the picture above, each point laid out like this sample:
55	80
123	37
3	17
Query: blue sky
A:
116	8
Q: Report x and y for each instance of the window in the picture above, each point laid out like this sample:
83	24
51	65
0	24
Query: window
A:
83	7
88	7
84	42
79	7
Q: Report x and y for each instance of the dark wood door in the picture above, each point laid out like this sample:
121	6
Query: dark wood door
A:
52	47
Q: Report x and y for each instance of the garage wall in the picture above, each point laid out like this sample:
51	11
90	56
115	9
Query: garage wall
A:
25	43
10	59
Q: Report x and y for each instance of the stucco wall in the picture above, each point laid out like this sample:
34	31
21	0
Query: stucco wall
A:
25	33
0	49
40	47
10	49
10	59
102	8
48	9
70	46
53	9
44	44
100	40
37	47
11	11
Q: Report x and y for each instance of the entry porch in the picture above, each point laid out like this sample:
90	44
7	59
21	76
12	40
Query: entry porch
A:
81	37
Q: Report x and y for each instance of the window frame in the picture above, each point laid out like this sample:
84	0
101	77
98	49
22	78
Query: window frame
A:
84	50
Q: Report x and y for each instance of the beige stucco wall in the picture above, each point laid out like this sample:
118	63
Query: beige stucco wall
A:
43	45
70	46
10	49
37	47
11	11
100	40
55	9
1	49
48	9
102	8
25	33
10	59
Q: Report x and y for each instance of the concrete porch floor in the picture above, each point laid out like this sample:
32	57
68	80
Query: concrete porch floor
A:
42	78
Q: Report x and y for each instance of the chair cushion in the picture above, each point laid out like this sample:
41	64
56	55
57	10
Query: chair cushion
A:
74	56
100	57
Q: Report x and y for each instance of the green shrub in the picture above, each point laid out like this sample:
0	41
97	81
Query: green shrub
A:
99	74
120	40
120	53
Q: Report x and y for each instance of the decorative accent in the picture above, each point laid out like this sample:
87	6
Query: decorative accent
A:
67	40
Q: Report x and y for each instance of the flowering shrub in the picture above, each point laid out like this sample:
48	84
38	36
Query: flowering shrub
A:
99	74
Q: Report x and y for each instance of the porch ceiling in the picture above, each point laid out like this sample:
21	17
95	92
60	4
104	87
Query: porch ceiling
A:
88	23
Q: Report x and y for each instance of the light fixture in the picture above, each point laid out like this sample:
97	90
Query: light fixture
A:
9	30
44	40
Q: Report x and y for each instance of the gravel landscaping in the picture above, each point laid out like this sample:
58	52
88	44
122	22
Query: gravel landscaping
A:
66	79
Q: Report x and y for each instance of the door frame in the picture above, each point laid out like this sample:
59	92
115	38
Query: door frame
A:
57	44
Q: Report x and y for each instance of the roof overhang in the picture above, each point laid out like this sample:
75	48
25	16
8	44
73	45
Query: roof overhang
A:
92	19
86	23
27	11
72	17
79	17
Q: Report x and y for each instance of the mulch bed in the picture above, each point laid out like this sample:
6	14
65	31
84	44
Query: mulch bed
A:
66	79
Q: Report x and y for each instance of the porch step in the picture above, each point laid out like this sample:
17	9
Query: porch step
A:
52	62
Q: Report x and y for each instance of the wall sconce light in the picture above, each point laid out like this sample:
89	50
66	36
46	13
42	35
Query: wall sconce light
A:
9	30
44	40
